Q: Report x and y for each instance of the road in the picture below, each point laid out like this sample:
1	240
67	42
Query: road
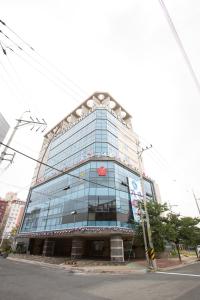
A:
22	281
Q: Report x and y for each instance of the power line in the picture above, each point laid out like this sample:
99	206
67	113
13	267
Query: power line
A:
14	186
12	85
180	44
42	57
61	171
46	76
3	23
41	65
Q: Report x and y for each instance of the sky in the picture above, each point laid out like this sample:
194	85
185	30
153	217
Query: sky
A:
125	48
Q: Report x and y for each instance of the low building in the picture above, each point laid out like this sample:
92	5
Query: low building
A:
84	195
3	206
15	209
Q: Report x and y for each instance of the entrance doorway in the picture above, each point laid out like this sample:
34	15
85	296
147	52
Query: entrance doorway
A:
98	248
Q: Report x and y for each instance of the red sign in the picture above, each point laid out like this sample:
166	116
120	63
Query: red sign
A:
102	171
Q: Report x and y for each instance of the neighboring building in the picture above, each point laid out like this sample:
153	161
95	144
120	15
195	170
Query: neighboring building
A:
4	127
14	215
85	204
3	206
10	196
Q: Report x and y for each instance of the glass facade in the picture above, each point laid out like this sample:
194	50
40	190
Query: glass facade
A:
98	200
98	140
99	134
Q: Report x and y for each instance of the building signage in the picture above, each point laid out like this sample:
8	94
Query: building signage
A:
102	171
135	194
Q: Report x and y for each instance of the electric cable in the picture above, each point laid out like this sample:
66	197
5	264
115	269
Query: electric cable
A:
42	57
13	86
3	23
61	171
46	76
180	44
42	66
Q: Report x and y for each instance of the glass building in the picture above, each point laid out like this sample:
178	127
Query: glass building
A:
81	202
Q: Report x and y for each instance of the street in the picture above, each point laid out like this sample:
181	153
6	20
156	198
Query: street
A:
22	281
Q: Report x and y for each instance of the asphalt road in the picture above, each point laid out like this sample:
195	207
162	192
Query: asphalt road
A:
22	281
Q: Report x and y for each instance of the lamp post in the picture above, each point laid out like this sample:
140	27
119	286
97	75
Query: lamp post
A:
74	213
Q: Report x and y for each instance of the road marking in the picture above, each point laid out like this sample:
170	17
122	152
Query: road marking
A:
181	274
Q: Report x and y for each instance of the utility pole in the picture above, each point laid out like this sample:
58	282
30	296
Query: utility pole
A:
144	235
139	153
20	122
196	200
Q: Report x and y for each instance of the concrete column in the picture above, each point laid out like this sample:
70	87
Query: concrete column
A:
116	248
48	248
77	248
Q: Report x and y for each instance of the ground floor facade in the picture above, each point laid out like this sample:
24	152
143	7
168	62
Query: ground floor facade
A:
113	244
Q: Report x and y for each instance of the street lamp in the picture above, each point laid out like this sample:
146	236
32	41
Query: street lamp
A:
74	213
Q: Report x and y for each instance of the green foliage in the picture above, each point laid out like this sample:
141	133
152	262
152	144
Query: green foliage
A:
168	227
183	230
6	246
157	222
14	231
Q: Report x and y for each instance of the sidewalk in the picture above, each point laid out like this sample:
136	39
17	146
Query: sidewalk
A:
91	266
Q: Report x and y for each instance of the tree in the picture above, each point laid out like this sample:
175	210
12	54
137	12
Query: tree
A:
157	223
182	231
169	227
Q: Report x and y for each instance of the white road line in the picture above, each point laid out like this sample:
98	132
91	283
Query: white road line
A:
181	274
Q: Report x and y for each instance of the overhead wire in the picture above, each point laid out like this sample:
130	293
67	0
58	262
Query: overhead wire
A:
15	71
46	76
42	66
157	155
63	172
44	59
12	83
3	23
23	92
14	186
8	83
180	44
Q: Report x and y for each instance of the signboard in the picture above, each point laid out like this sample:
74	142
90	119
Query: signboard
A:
135	194
102	171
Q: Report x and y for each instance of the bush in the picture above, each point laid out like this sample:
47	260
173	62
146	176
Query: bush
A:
173	253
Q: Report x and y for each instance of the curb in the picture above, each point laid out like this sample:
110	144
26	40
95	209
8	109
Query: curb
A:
76	269
179	266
